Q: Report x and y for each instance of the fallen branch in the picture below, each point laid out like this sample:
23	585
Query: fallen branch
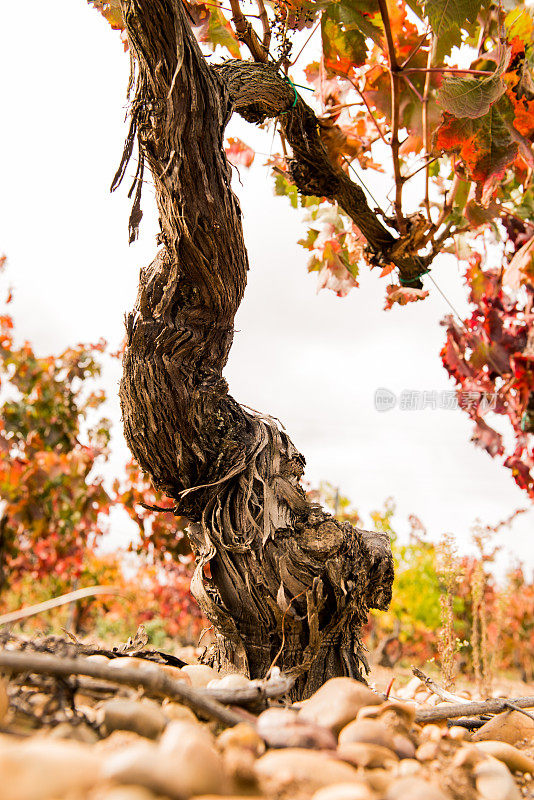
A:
55	602
496	706
436	689
151	678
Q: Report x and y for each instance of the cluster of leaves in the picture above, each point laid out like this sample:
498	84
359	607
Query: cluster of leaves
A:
492	625
490	355
55	507
164	548
53	500
440	96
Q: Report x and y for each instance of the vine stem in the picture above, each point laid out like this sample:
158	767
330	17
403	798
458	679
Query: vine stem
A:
247	34
440	70
395	113
424	112
264	19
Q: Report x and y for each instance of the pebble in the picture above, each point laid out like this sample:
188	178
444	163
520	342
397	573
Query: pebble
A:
43	768
175	673
414	789
179	775
395	715
4	699
427	751
179	732
345	791
122	793
494	781
459	734
409	766
242	736
280	727
510	726
337	703
144	717
515	759
300	770
367	730
178	711
118	740
78	733
233	681
199	675
362	754
130	662
403	746
431	733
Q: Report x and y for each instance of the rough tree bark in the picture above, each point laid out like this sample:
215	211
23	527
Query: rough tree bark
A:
277	576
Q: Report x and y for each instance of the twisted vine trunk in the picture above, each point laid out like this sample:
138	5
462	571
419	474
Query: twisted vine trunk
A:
276	575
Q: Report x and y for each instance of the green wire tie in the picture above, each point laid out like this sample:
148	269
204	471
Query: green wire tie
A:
407	282
296	95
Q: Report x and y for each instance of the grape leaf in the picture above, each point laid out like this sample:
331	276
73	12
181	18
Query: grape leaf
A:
403	295
220	33
344	29
447	18
473	96
239	153
485	145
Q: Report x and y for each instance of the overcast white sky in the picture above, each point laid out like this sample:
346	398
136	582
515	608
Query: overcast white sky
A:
312	360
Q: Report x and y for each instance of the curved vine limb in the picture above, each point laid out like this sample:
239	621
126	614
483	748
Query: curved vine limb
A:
271	566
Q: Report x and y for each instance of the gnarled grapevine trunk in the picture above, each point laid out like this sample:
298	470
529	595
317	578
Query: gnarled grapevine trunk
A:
285	580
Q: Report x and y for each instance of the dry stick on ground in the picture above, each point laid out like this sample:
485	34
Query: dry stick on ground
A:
153	680
495	706
55	602
432	686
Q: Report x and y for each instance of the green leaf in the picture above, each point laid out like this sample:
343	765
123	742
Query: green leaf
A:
220	33
447	18
472	96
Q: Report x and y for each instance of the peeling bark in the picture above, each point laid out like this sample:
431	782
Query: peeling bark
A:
279	578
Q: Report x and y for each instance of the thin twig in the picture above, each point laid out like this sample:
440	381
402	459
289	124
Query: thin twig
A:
436	689
427	163
368	107
412	87
496	706
515	707
304	45
415	50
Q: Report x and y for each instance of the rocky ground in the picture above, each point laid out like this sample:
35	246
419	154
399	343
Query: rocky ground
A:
81	736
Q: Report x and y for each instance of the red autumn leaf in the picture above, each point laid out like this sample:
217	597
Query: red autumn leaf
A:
239	153
403	295
485	145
